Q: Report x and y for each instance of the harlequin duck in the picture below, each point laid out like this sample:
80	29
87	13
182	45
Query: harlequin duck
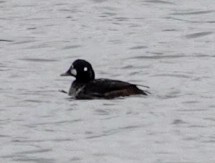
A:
87	87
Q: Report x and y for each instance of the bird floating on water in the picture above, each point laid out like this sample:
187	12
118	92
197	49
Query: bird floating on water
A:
86	86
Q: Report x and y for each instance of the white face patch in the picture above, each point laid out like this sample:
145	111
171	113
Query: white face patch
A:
85	69
73	72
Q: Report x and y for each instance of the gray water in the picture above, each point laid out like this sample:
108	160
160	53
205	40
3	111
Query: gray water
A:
166	45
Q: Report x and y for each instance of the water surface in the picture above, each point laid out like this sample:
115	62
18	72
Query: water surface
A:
166	45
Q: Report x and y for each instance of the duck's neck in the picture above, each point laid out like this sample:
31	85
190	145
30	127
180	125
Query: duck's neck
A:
78	83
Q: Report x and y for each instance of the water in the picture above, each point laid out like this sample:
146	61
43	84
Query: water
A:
167	45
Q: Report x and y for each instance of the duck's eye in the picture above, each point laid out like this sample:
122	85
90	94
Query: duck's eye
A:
85	69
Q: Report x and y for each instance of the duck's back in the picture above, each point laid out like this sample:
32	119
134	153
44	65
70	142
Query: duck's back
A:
106	88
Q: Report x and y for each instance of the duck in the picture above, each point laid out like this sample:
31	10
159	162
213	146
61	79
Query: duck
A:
85	86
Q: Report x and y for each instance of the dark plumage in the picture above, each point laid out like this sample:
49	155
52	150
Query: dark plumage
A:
87	87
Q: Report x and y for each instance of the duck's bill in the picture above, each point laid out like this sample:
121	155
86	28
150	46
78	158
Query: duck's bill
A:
71	72
65	74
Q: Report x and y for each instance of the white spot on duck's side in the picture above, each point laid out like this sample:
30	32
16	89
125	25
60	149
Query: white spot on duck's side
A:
85	69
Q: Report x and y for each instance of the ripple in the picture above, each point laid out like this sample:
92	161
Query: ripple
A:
39	60
210	22
114	131
55	123
210	119
75	159
192	110
99	1
200	55
193	13
5	40
71	47
4	136
35	151
191	102
34	159
42	140
30	40
31	28
169	30
138	47
159	2
173	94
198	34
178	122
190	21
128	67
105	14
102	111
121	19
159	57
35	101
174	75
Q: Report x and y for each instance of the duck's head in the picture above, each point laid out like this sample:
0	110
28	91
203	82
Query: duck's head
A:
81	70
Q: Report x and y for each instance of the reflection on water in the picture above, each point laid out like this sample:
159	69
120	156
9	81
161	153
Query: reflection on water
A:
166	45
